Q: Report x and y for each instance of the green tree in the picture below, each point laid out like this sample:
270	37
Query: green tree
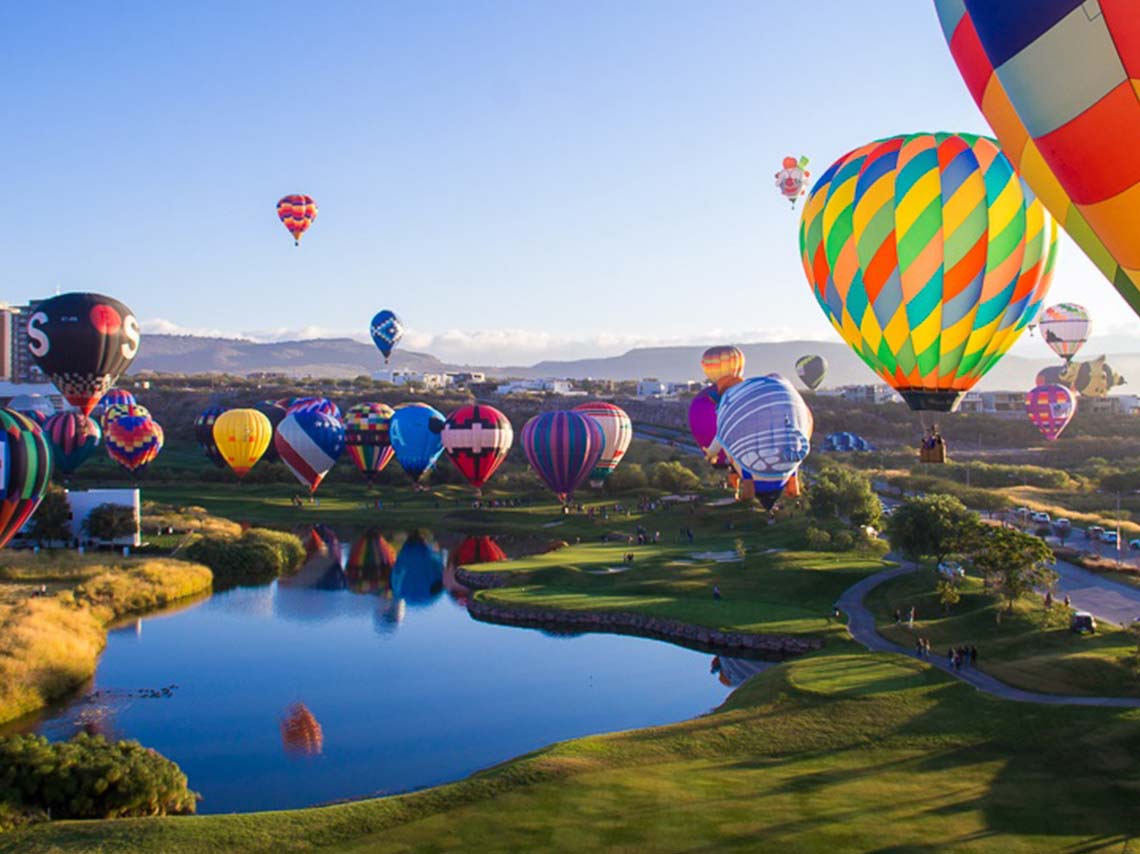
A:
842	493
1014	562
948	594
111	521
673	477
931	527
628	477
53	517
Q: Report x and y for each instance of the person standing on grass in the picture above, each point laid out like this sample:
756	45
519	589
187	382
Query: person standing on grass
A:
910	618
716	592
898	617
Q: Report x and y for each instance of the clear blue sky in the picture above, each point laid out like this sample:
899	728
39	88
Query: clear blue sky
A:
515	179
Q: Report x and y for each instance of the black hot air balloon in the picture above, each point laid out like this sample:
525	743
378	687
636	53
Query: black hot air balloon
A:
25	473
275	412
83	342
204	434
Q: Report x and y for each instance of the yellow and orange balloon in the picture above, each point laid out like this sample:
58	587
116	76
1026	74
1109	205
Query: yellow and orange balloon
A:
723	365
242	437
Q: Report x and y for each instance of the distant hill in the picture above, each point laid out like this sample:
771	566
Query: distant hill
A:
345	357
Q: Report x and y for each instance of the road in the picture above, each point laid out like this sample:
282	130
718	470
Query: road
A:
1104	599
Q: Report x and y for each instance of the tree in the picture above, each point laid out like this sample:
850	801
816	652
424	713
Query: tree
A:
628	477
948	594
1015	563
111	521
842	493
673	477
932	526
53	517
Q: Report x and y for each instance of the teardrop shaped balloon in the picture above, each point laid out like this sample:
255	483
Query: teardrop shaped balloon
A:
929	257
113	397
133	441
702	424
1050	408
204	434
25	469
617	429
765	428
386	330
118	410
477	438
83	342
811	370
73	437
1062	102
723	363
309	443
563	448
241	437
366	434
297	212
1065	328
416	436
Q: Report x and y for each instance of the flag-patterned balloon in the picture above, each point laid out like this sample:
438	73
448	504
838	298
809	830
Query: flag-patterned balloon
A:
73	437
477	438
1065	328
765	427
811	370
24	473
366	438
314	404
618	432
563	448
297	213
1057	82
204	434
929	257
416	435
309	443
241	437
386	330
723	364
702	424
133	441
1050	408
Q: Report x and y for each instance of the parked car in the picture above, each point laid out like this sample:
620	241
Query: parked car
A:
1134	545
1040	517
1093	532
1082	622
951	569
1062	524
1108	537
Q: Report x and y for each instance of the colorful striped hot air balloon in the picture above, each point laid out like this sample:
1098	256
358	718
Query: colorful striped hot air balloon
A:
204	434
723	365
702	424
366	438
133	440
25	473
416	436
617	428
811	370
73	437
241	437
563	448
297	213
1065	328
765	428
477	439
929	257
1050	408
309	443
1057	83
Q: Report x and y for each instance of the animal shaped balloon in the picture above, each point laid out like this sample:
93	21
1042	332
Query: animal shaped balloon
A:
1050	408
297	212
386	330
477	438
702	424
25	474
1065	328
1089	379
617	429
73	437
791	178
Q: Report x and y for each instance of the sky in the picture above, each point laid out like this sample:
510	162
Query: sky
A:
518	180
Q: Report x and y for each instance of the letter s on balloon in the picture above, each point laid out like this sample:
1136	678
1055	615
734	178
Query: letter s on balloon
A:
131	333
38	341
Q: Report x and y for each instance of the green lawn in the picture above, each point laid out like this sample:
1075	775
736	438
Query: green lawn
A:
1032	648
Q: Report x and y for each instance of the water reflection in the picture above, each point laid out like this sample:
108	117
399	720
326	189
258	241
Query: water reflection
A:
417	577
368	566
471	551
300	732
736	671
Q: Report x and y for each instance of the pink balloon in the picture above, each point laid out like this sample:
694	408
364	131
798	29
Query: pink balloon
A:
1050	408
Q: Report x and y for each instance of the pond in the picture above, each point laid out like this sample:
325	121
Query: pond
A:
365	675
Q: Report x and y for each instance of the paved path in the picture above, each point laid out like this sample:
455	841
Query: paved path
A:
861	625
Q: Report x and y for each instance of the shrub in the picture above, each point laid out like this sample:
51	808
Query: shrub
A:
90	777
673	477
256	557
53	517
843	541
817	538
627	478
111	521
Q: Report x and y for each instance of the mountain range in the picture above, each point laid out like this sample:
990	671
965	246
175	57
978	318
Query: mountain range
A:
346	357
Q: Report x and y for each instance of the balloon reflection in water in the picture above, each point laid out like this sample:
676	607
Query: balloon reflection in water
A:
473	550
417	576
300	732
369	564
736	671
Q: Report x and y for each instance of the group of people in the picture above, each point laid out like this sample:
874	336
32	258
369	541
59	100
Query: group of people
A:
933	448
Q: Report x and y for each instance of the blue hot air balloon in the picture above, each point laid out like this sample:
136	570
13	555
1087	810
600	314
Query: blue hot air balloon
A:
415	433
386	331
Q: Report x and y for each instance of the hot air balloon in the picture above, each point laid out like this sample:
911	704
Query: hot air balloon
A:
113	397
35	406
765	427
618	432
563	448
241	437
309	443
275	413
702	423
811	370
386	332
204	434
1065	328
723	365
314	404
83	342
1053	81
1050	408
118	410
929	257
415	433
133	441
417	576
477	438
73	437
791	178
366	427
370	562
25	474
297	213
1089	379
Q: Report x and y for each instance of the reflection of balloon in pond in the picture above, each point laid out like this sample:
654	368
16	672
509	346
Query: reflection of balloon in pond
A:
471	551
417	576
300	732
369	564
322	571
388	615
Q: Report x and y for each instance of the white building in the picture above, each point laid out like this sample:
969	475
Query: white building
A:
550	386
879	393
417	378
651	387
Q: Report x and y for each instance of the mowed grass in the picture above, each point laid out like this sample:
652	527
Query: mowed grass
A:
843	751
1031	648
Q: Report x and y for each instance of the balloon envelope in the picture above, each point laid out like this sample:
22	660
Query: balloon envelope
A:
366	436
563	448
133	440
241	437
722	363
1065	328
73	437
386	330
35	406
415	433
25	474
276	414
204	434
82	342
1094	378
617	430
477	438
296	212
1050	408
309	443
929	257
314	404
702	423
811	370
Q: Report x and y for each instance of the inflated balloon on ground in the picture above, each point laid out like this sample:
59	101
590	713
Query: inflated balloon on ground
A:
204	434
133	440
563	448
617	428
477	439
366	435
416	436
241	437
74	438
26	472
309	443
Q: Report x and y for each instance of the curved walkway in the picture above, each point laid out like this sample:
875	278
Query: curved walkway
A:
861	626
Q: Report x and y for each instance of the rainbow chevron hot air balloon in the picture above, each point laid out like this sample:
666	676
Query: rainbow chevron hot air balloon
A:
366	437
929	256
25	474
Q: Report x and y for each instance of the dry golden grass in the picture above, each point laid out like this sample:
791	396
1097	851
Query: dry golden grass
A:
186	519
1038	500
